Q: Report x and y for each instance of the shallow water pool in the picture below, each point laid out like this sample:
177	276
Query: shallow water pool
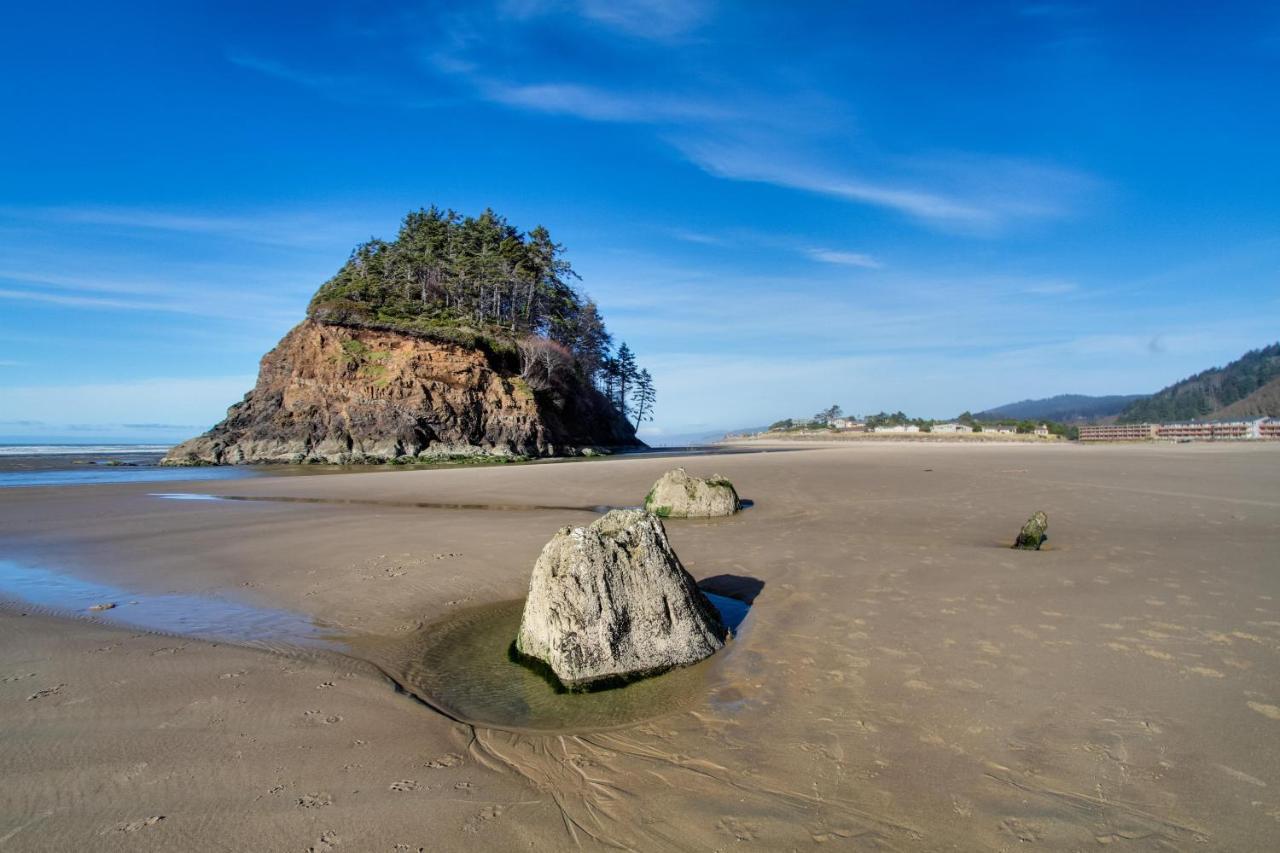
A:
461	666
208	617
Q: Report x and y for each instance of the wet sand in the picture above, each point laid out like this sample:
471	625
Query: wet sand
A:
903	681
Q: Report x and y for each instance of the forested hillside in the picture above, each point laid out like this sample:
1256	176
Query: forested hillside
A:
1205	393
1263	403
1064	408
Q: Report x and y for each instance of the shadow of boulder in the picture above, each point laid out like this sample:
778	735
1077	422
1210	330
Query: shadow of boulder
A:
739	587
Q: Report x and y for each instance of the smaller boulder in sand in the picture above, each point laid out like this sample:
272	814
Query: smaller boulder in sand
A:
1032	535
677	494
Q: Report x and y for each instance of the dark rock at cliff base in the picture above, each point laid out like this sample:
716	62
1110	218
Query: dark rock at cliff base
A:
1032	535
338	394
611	602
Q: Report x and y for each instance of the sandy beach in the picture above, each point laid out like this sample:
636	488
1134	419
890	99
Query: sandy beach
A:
902	681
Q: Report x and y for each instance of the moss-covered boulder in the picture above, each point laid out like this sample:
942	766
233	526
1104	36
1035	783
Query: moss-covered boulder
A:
610	603
1032	535
677	494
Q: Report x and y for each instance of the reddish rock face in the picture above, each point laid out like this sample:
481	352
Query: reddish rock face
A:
330	393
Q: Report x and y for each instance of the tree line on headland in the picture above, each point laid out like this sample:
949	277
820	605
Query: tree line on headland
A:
480	281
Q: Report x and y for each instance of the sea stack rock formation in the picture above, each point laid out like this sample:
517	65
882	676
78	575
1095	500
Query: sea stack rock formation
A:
677	494
1032	535
611	602
460	338
337	394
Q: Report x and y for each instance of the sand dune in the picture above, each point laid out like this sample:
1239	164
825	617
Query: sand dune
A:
903	680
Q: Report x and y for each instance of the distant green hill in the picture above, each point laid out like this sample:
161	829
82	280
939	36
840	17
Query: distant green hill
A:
1206	393
1064	408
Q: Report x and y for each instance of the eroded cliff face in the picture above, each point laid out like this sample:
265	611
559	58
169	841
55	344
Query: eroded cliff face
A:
330	393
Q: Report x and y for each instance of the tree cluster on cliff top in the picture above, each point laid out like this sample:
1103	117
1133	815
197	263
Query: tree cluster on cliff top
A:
479	279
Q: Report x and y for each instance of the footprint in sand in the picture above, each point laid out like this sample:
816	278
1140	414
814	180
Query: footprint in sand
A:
314	801
48	691
319	719
404	785
740	830
1020	830
328	841
477	822
450	760
136	825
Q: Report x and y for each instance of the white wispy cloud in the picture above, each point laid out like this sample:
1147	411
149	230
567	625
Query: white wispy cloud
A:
846	259
654	20
661	20
193	290
326	83
299	229
1051	288
74	301
597	104
988	212
699	237
46	278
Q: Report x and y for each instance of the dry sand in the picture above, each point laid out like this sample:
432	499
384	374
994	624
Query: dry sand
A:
904	680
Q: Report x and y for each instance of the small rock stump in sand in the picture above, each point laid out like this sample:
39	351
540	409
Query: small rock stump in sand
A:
677	494
611	603
1032	535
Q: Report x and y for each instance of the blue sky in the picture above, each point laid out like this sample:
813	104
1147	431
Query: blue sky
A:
921	206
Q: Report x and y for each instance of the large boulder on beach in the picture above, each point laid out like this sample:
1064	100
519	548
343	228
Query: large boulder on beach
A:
611	603
678	494
1032	535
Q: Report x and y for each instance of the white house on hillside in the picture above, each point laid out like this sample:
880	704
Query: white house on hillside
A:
952	428
898	428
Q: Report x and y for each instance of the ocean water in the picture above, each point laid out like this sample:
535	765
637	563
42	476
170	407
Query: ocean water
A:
82	449
209	617
91	464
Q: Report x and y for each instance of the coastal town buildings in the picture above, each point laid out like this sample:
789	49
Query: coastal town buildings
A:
848	425
898	428
951	429
999	429
1042	430
1258	428
1117	432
